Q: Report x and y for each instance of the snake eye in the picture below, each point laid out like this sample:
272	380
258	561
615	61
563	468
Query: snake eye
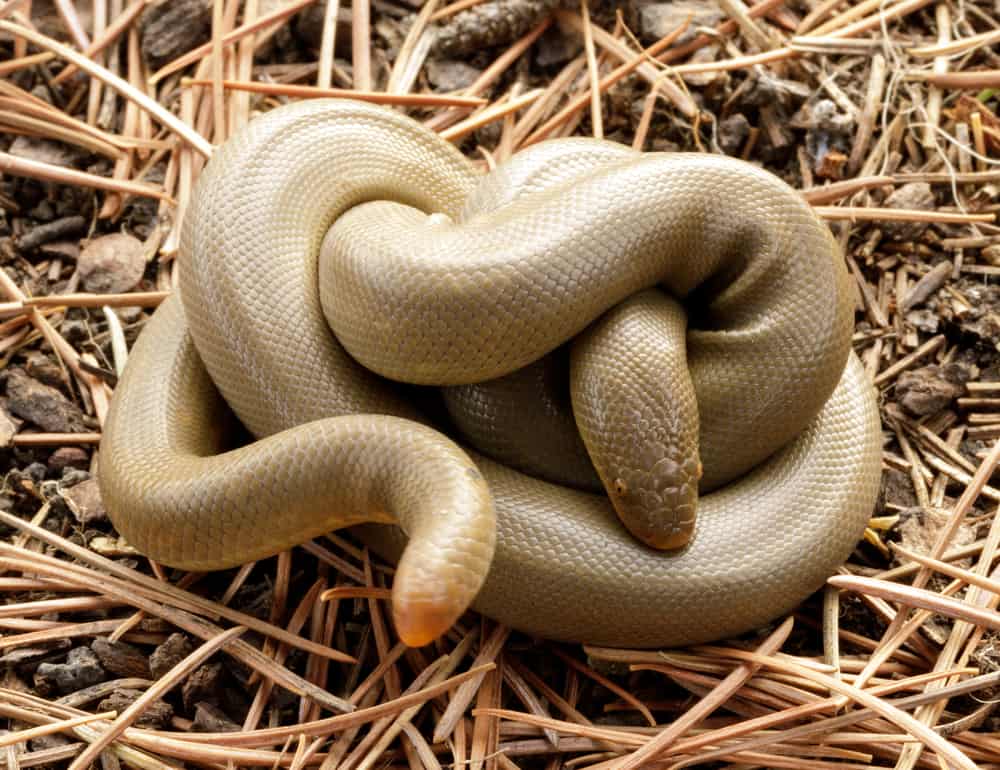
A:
621	488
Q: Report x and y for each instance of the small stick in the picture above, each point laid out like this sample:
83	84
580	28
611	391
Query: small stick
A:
960	46
35	169
899	215
918	597
596	119
869	114
839	190
105	39
54	439
942	17
311	92
719	695
22	736
361	49
929	347
974	80
133	299
497	111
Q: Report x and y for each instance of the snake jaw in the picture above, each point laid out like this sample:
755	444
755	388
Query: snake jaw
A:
658	505
420	623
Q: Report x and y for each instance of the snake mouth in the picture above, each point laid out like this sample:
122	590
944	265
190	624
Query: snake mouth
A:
419	623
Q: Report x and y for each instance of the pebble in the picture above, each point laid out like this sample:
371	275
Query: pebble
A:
43	369
203	685
929	389
121	658
451	74
69	457
169	654
915	195
81	669
112	264
42	405
84	502
8	427
659	19
155	716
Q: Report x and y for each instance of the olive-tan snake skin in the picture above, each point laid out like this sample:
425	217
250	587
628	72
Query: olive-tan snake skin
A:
435	274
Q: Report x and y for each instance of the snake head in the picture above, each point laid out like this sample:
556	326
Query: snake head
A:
657	503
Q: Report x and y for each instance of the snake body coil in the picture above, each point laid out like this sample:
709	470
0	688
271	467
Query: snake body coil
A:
432	274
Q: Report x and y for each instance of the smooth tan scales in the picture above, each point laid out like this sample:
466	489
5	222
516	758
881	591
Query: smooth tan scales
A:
434	274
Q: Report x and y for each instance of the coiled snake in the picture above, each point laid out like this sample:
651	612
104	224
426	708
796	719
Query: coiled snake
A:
434	274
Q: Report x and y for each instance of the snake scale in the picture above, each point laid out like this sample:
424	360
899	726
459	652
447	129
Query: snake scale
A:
338	214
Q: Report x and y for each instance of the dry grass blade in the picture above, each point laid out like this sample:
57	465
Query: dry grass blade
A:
719	695
165	117
23	736
377	97
902	166
918	597
10	164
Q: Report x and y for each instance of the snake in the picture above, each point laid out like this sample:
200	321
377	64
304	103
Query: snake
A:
341	265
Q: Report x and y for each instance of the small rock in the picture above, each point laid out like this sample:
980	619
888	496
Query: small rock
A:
42	405
113	548
733	133
991	254
657	20
919	528
451	74
44	369
81	669
211	719
69	457
112	264
556	47
8	427
84	502
121	658
169	654
897	488
202	685
930	389
170	28
915	195
155	716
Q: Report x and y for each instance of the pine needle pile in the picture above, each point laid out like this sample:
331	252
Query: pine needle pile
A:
883	113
